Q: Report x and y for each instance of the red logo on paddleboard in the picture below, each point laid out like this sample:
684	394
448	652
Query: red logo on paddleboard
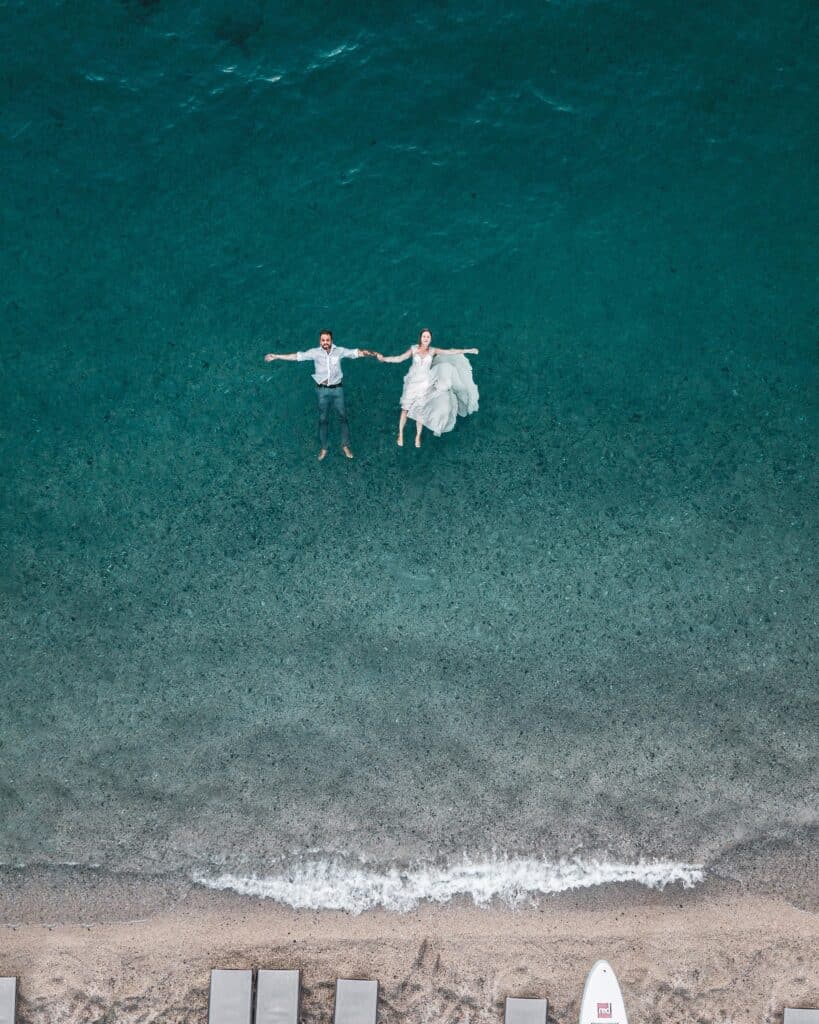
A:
604	1011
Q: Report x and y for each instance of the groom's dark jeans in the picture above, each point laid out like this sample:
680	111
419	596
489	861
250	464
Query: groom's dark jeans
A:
332	398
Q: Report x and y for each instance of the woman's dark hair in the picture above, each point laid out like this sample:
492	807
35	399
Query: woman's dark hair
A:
425	330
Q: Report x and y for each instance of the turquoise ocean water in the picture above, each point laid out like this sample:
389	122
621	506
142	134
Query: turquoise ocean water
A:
574	635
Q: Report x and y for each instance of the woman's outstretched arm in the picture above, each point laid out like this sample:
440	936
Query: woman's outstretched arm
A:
292	357
395	359
455	351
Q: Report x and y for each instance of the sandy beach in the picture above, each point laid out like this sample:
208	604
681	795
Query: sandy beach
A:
701	956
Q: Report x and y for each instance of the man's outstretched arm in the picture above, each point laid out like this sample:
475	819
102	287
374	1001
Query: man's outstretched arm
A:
353	353
292	357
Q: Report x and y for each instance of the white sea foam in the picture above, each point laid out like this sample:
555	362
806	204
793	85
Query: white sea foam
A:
339	885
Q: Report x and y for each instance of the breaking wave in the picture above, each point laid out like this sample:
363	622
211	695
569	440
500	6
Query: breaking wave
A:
338	885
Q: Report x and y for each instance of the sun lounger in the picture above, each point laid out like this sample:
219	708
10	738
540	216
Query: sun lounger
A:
526	1011
230	997
8	1000
356	1002
801	1016
277	997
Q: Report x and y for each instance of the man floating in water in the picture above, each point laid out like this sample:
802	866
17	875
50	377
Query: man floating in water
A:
329	388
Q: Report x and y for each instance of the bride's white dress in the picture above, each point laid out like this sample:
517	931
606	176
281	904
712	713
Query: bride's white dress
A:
438	390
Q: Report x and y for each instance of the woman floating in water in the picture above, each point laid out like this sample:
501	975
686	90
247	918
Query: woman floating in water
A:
438	388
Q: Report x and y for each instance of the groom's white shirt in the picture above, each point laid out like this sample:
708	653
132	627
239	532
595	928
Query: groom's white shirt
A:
327	364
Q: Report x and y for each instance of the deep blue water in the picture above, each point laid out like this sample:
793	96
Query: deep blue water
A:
582	623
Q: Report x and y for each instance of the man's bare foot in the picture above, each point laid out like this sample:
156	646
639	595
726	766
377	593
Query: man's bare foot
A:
400	441
346	449
322	454
417	442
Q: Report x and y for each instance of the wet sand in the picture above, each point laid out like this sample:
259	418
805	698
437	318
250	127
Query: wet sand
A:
709	955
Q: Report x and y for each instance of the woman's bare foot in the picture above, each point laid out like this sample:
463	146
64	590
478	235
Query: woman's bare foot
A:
400	441
322	454
417	442
346	449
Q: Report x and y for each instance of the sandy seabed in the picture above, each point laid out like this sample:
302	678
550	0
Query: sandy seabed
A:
680	956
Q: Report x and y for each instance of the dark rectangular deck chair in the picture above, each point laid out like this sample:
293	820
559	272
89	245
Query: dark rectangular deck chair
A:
356	1002
231	993
793	1016
8	1000
277	997
526	1011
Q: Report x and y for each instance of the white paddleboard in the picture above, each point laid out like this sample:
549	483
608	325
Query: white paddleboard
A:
602	1001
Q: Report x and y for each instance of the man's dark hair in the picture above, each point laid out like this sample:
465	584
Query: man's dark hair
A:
326	332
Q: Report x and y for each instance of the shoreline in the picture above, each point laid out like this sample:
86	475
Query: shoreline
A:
714	953
781	866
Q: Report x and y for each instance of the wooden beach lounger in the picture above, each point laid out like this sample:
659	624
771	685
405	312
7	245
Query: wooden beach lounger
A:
277	997
526	1011
801	1016
356	1002
8	1000
230	997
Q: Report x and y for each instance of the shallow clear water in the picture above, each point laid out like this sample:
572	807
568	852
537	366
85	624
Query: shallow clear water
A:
582	623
